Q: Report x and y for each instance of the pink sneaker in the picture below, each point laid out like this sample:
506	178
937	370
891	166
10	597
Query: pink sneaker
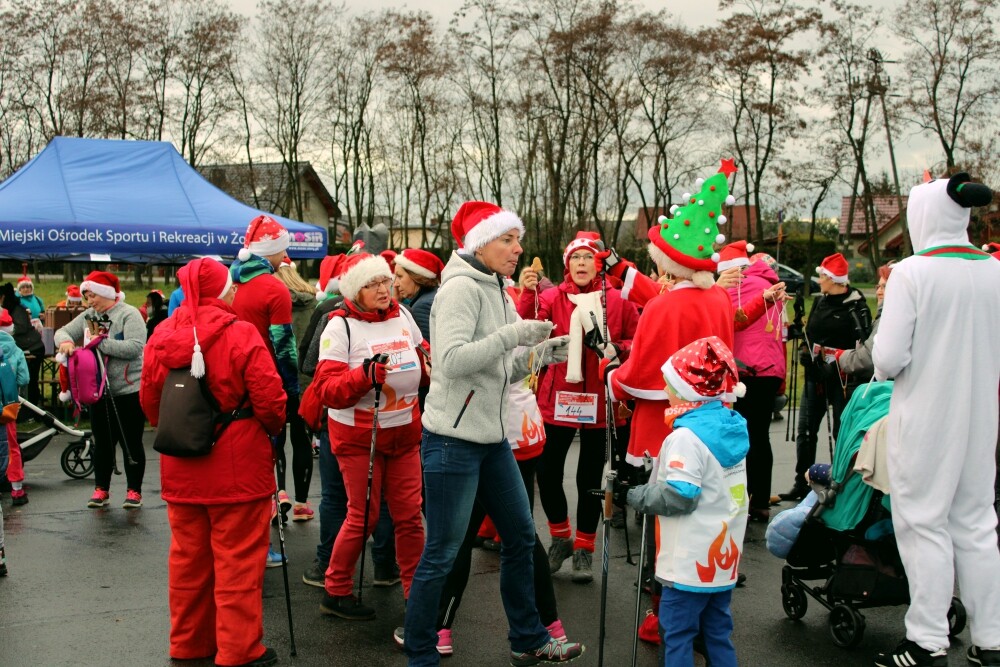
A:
444	646
133	500
556	630
101	498
284	501
302	512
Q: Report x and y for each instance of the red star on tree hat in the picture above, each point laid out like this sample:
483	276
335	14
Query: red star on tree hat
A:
264	237
734	254
834	266
421	262
704	370
478	222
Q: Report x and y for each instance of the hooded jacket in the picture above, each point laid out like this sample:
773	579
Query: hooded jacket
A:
238	365
473	356
698	491
14	357
555	306
761	351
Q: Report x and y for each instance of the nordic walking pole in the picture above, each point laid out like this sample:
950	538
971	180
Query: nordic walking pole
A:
284	561
380	359
609	491
638	590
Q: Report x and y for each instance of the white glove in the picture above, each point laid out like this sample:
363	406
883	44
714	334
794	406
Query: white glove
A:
609	351
552	351
531	332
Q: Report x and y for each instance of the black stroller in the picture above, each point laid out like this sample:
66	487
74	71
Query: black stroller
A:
76	458
857	565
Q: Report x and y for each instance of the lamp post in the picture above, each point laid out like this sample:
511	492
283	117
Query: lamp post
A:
877	87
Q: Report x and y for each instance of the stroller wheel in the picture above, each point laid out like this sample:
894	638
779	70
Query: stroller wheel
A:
793	601
956	617
77	460
847	627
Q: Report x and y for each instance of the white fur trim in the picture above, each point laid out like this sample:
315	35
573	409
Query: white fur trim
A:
243	255
576	244
8	329
100	289
491	228
65	396
413	267
666	264
681	386
730	263
24	280
61	358
270	246
840	280
229	284
703	279
361	274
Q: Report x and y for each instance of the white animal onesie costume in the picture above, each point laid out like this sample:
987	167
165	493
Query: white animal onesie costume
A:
939	338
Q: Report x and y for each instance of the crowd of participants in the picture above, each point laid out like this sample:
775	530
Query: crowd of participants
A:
441	393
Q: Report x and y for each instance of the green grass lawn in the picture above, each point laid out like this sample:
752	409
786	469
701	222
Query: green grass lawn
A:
52	292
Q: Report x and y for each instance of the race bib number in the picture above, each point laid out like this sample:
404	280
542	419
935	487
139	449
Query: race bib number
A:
576	408
402	355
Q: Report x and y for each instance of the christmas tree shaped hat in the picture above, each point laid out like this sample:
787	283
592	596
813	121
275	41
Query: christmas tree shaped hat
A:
687	236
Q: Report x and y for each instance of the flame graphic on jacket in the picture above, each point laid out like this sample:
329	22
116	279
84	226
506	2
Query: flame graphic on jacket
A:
718	556
392	402
530	432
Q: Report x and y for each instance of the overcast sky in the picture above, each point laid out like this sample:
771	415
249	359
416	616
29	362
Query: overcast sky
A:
913	154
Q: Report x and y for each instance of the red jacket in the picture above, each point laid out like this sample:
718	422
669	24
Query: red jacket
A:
555	306
237	363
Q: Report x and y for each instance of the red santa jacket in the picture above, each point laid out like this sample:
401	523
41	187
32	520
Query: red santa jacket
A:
668	323
555	306
237	364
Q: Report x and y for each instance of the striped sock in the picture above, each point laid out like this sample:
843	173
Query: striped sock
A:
584	541
560	529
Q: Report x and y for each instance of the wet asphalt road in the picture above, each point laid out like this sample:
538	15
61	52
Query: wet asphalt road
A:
89	587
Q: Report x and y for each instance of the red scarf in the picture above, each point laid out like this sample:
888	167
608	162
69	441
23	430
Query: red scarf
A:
352	310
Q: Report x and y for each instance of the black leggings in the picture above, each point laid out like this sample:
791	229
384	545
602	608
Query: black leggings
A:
34	366
105	417
302	458
589	468
757	407
454	586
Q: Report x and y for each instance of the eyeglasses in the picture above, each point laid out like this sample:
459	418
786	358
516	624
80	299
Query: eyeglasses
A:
581	258
376	284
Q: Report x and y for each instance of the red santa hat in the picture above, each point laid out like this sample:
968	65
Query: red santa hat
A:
202	278
584	241
6	323
421	262
834	266
73	294
25	280
477	223
704	370
734	254
390	258
992	248
103	283
329	273
264	237
359	270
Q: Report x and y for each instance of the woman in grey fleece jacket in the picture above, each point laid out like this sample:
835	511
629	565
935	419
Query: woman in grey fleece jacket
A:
475	331
117	418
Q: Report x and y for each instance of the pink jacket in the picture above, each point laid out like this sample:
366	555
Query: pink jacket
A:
553	305
760	350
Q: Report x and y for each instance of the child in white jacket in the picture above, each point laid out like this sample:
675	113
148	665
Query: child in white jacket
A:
697	491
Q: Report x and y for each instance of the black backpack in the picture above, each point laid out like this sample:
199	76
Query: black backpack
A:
190	419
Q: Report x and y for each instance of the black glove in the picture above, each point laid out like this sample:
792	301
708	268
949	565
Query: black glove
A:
805	358
375	370
831	371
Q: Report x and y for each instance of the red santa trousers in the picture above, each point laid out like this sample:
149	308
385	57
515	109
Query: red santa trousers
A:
15	467
216	580
398	476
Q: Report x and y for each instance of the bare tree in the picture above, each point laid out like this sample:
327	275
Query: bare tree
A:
292	75
951	66
756	73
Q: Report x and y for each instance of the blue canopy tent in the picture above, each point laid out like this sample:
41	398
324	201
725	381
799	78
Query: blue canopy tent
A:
126	201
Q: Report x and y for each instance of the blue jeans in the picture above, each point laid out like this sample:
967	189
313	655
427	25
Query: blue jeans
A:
333	512
684	613
457	472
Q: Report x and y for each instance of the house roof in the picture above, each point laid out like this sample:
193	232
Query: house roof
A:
886	209
269	181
